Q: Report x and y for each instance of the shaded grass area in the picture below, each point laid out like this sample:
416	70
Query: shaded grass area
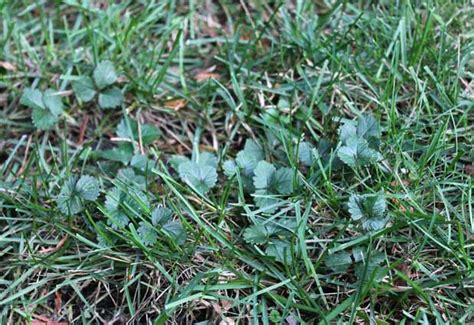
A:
209	75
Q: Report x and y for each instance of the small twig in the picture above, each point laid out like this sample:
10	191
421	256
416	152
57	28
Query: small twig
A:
25	158
82	130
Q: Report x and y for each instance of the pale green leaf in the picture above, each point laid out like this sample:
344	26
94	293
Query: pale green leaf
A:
177	160
128	177
147	234
230	167
264	173
264	199
370	269
52	101
248	158
120	205
357	153
84	88
33	98
202	178
207	159
104	74
110	98
43	118
87	187
305	154
370	209
68	201
149	133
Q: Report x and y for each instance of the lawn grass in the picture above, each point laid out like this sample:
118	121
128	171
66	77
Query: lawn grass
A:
209	76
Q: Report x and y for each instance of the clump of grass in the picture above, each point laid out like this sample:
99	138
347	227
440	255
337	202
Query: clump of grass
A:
235	163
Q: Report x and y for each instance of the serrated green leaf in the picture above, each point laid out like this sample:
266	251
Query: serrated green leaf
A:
365	127
207	159
127	128
370	209
280	250
268	181
253	148
367	206
371	267
283	181
264	173
248	158
339	262
149	133
33	98
122	154
84	88
120	205
45	107
176	231
264	199
357	153
141	162
43	118
230	167
177	160
348	131
147	234
128	177
87	187
104	74
256	234
359	254
161	215
202	178
68	201
369	129
74	191
374	224
305	154
110	98
52	101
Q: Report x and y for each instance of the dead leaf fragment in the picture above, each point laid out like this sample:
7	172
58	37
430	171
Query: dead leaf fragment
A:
46	321
46	250
58	302
227	321
205	75
8	66
176	104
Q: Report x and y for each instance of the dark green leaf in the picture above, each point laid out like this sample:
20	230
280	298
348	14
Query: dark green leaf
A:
281	251
339	262
161	215
176	231
256	234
